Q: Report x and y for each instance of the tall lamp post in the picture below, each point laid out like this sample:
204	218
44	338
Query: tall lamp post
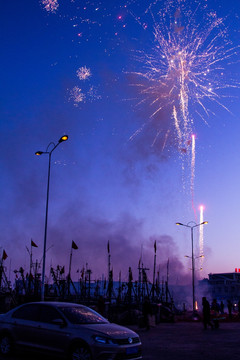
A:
49	153
192	257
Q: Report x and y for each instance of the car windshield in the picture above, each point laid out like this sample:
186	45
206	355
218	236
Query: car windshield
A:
82	315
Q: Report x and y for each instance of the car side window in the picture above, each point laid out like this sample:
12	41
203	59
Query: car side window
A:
27	312
48	314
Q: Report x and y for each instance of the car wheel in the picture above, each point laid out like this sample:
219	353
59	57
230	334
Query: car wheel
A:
6	345
80	352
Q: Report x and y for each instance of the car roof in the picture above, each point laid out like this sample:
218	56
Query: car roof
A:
55	303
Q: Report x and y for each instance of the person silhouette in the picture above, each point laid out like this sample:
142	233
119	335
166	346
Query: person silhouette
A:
206	313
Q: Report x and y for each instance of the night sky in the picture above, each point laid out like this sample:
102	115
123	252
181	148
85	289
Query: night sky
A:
80	69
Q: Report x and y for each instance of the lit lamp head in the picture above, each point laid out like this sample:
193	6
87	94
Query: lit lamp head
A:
38	152
179	223
63	138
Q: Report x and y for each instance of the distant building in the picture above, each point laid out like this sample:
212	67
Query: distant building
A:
223	286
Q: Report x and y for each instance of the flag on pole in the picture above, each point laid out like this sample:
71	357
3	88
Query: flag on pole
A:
33	243
74	245
155	247
4	255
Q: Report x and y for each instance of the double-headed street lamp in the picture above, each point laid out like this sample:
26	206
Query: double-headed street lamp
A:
192	257
49	153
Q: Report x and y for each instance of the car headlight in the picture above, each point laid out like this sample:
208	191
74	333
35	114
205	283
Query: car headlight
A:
103	340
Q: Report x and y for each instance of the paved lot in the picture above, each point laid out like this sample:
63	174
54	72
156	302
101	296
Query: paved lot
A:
188	340
185	340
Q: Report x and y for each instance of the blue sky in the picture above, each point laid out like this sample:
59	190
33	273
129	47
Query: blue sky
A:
104	186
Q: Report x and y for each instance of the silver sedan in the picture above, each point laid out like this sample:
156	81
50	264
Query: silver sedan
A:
71	330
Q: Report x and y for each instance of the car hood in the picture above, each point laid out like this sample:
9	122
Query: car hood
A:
3	317
113	330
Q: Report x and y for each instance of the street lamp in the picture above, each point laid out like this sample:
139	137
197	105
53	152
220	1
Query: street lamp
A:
192	257
49	153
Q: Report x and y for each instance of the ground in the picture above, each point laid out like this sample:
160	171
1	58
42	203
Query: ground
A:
185	340
188	340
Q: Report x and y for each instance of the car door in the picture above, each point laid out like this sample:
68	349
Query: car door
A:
24	325
53	331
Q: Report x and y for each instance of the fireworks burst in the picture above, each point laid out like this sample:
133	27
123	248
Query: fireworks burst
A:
84	73
77	96
88	93
93	94
183	74
186	68
50	5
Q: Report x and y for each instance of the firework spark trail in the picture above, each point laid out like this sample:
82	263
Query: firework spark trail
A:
176	122
201	235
